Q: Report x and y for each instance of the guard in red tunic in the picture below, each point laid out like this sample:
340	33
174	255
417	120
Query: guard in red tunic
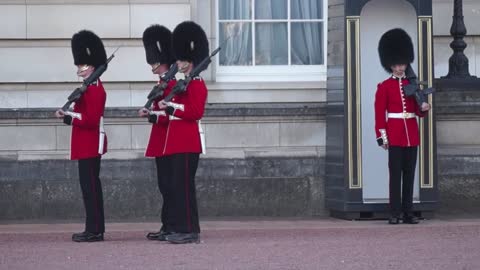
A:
88	141
396	125
157	41
183	142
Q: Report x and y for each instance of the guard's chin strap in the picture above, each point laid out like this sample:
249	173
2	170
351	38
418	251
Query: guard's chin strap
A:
83	69
155	67
184	67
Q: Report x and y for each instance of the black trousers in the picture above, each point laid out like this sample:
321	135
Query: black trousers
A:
176	181
401	164
89	171
163	174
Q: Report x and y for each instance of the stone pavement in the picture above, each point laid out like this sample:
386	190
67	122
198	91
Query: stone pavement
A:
438	244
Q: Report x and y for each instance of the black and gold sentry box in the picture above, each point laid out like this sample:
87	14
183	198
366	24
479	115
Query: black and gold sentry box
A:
356	168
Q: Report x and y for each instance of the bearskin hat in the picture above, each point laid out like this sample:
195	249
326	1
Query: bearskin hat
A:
190	42
157	41
88	49
395	47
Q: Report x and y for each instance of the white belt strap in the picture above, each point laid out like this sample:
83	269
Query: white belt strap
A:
202	137
101	138
405	115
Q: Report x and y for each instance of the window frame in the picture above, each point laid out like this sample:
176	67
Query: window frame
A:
268	73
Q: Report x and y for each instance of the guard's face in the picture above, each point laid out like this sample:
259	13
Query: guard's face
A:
184	66
84	71
399	69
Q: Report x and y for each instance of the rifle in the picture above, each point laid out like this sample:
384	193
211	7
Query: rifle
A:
78	92
158	89
181	85
413	88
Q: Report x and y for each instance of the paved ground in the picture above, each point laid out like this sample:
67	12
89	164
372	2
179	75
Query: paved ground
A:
245	245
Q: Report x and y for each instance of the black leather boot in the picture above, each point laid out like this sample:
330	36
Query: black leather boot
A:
87	237
183	238
159	236
410	219
394	220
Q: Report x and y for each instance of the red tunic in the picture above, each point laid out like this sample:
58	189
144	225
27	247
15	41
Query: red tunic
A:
86	127
158	134
390	98
183	131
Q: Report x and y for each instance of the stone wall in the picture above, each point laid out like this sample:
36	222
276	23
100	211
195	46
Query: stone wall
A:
39	33
458	126
252	186
262	160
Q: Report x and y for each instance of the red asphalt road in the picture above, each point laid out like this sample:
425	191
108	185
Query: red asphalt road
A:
245	245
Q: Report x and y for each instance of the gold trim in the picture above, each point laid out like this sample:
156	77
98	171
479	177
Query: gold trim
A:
420	78
430	100
359	108
349	106
422	20
356	21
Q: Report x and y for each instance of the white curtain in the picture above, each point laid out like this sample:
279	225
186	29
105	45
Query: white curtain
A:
307	37
271	39
235	9
271	44
238	50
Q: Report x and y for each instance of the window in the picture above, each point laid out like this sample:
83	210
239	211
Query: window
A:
271	40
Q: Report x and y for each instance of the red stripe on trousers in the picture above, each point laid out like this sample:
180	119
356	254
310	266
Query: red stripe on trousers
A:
94	191
187	193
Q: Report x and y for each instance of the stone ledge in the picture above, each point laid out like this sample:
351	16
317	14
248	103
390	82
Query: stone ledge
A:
212	153
460	109
446	104
458	150
457	97
121	170
212	110
445	85
457	165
